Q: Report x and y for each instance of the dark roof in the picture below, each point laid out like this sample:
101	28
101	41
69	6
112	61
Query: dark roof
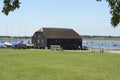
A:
60	33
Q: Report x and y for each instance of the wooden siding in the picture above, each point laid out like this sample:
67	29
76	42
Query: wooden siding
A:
66	38
39	40
70	44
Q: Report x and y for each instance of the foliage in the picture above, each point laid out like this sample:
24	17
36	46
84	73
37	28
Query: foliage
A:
10	5
115	11
53	65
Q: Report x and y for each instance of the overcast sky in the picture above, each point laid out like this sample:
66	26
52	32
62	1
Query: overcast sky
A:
87	17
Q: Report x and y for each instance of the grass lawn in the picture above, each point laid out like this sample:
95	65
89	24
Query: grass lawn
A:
53	65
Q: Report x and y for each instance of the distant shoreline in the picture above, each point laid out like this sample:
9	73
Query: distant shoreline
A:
84	37
88	37
101	39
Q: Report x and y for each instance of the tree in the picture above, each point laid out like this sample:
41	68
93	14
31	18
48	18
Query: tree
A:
11	5
114	11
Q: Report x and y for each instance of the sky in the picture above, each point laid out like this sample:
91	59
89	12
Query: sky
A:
87	17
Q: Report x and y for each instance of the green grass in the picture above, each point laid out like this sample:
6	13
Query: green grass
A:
53	65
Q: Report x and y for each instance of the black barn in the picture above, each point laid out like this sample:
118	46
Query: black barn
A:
66	38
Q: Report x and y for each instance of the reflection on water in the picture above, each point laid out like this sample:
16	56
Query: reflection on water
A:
106	44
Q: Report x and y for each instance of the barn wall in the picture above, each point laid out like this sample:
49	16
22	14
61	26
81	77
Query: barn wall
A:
39	40
71	44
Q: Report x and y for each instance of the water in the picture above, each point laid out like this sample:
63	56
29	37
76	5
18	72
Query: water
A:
106	44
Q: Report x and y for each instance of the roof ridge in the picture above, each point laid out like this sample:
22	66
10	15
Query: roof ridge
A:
56	28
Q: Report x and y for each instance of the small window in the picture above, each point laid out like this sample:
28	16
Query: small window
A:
38	41
39	36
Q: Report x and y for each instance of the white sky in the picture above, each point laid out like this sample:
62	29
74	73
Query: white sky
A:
87	17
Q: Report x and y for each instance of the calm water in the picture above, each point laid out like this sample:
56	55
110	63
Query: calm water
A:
106	44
